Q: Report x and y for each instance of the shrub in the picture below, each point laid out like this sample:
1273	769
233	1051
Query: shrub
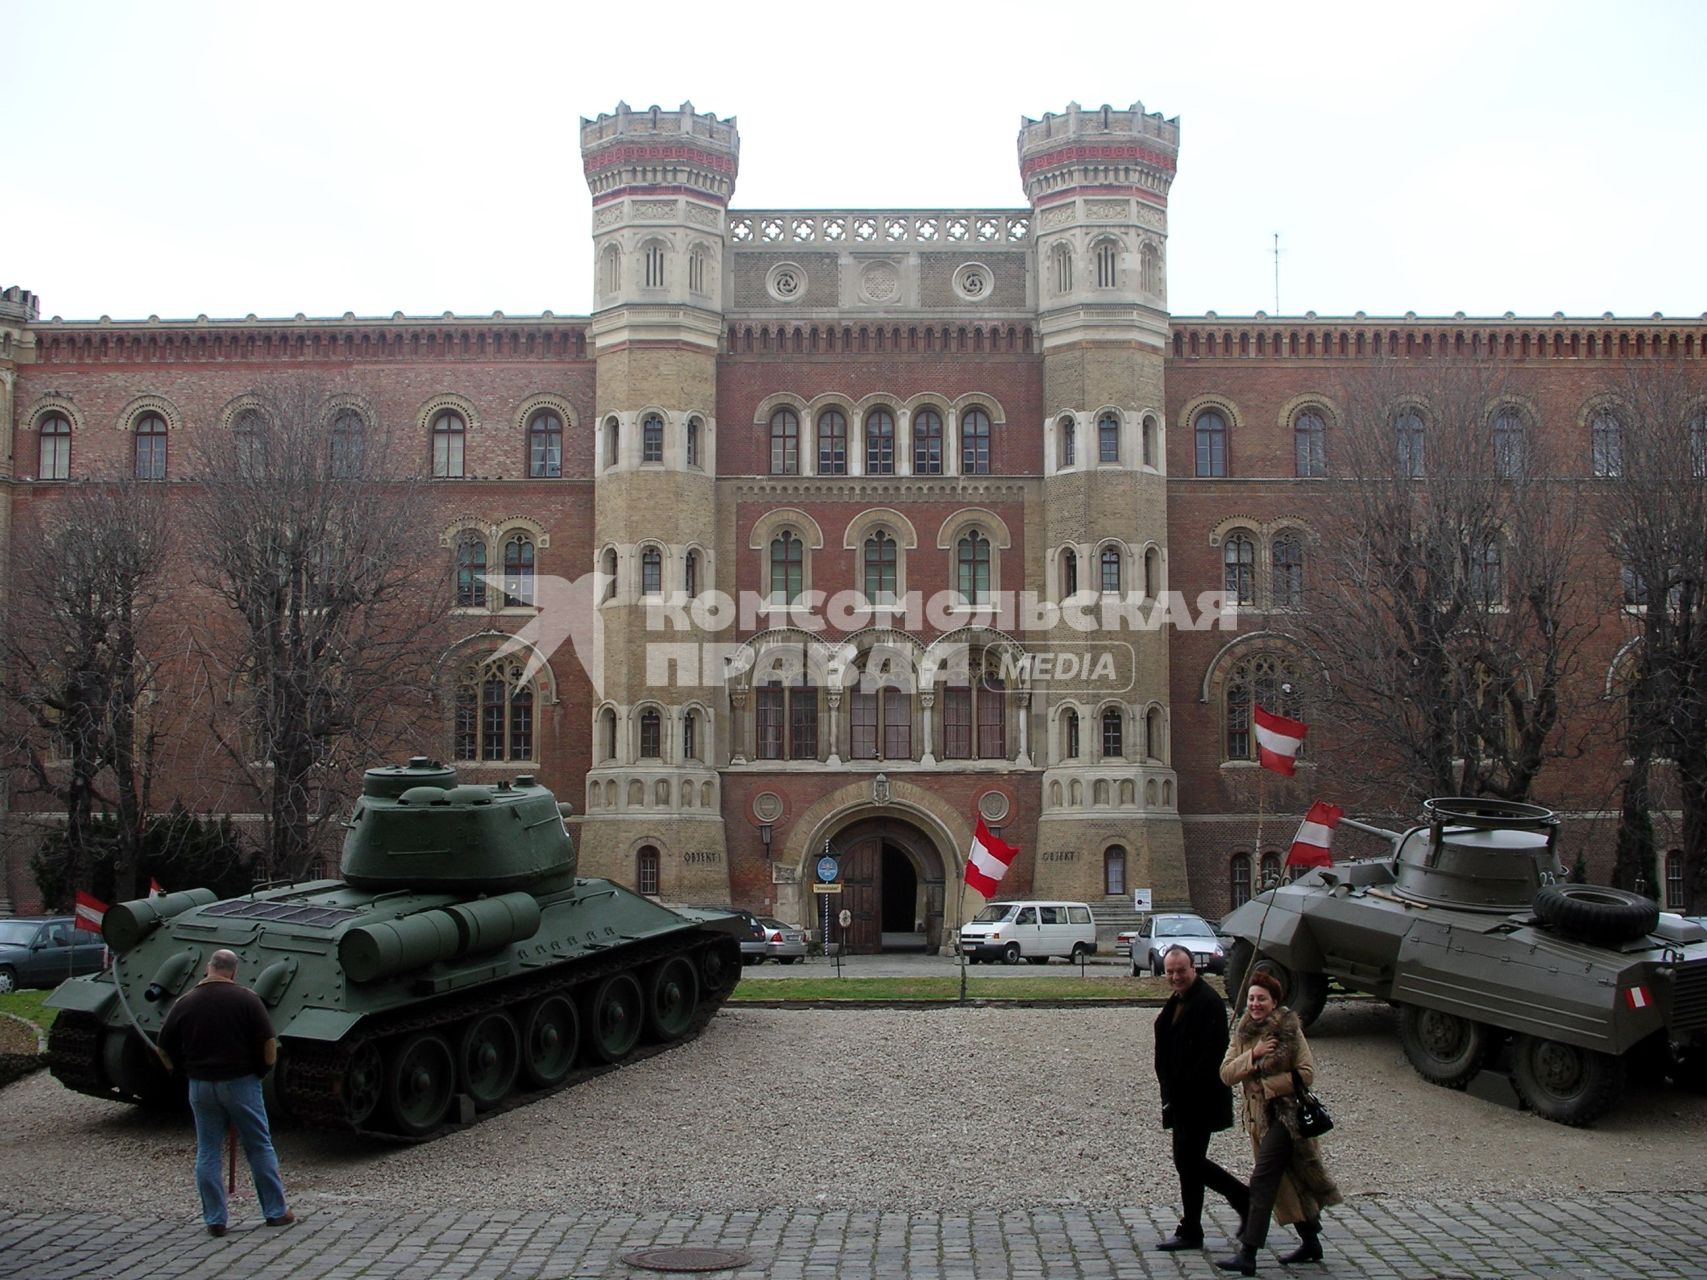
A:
180	849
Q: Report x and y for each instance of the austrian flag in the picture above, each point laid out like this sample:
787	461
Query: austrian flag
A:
1310	847
1278	740
989	860
90	912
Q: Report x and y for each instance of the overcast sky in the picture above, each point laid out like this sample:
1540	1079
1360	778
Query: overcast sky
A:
226	158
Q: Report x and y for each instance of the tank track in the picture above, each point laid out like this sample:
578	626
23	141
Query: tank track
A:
74	1055
314	1073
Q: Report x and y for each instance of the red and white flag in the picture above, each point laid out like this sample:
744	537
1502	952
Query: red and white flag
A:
1310	847
989	860
154	886
1278	740
89	913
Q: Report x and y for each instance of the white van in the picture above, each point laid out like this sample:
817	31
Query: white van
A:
1034	931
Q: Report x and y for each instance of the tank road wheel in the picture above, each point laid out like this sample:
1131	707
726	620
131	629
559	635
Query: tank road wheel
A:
1445	1049
1010	953
364	1084
418	1084
672	997
615	1014
487	1059
1306	994
132	1068
720	966
551	1037
1565	1083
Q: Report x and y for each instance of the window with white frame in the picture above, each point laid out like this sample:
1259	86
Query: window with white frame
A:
652	438
832	443
449	435
785	443
975	443
927	443
150	444
880	443
545	445
1309	443
1108	438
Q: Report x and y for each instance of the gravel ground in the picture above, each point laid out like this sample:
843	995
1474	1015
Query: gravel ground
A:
940	1108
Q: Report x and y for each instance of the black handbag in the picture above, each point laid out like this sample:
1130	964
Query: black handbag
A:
1313	1117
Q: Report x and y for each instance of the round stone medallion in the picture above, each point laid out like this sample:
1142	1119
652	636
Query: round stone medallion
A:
767	806
993	805
880	282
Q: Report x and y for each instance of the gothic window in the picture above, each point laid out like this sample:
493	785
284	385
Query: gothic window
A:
1239	556
607	733
1211	432
690	574
1063	256
1607	441
785	443
1070	736
652	439
470	571
832	443
880	443
651	734
1287	559
151	447
927	443
1266	680
646	871
654	256
974	718
613	441
880	724
1110	568
786	724
769	717
1309	443
1153	733
1108	265
1509	444
696	271
448	435
1150	269
494	711
1069	572
1270	869
1150	441
249	436
1239	879
1069	442
1487	573
992	718
1408	436
690	736
1108	438
788	567
651	572
972	567
545	445
1114	871
349	444
803	722
1152	573
880	568
607	571
693	442
1113	734
518	570
975	443
610	276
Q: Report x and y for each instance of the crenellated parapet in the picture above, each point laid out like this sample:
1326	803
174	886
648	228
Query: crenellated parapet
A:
19	304
661	152
1106	151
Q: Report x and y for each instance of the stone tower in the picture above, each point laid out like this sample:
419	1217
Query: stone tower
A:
660	182
1098	184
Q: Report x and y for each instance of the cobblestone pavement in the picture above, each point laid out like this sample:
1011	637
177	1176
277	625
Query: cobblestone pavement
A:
1656	1236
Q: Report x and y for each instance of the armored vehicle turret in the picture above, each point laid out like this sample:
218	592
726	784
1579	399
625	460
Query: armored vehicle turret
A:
458	967
1469	929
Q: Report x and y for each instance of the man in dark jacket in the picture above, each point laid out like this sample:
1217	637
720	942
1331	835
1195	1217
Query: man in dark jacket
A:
1191	1040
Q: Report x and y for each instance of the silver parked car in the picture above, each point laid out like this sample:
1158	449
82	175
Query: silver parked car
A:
784	943
1170	929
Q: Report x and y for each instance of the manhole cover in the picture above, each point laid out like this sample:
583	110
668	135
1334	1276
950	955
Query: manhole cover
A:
687	1258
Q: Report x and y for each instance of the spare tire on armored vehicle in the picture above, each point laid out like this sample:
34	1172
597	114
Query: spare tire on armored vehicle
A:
1469	929
460	967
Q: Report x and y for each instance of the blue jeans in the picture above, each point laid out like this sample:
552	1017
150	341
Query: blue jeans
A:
219	1104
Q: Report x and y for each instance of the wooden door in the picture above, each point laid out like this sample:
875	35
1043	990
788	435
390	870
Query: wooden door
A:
862	894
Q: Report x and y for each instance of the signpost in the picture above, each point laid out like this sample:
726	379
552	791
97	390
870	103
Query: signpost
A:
1141	900
828	869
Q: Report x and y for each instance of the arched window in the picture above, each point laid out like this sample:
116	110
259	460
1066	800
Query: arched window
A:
992	718
880	568
1154	733
613	441
1270	870
646	871
972	567
610	274
927	443
1069	442
1110	568
1152	573
55	433
654	256
1239	555
349	444
975	443
449	431
1408	436
1211	432
651	572
974	717
1487	573
1607	439
690	736
470	570
788	567
785	443
1149	269
1063	257
1674	881
151	447
1108	438
693	442
518	570
651	734
1108	265
690	575
1151	443
1069	572
880	722
652	438
494	713
1309	443
1239	879
607	733
1287	558
696	271
1266	680
1114	871
249	437
1070	736
785	723
832	443
545	445
1509	444
1113	734
880	443
607	571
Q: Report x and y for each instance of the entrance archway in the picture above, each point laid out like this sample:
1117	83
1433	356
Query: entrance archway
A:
892	876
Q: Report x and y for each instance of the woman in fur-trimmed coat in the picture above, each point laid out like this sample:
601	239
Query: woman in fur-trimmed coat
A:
1289	1179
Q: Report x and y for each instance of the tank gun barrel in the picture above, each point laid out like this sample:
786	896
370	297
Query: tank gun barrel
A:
1385	834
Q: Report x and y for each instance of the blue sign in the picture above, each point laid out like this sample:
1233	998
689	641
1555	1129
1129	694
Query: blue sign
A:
826	868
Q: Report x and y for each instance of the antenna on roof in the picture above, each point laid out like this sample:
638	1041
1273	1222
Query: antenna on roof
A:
1277	273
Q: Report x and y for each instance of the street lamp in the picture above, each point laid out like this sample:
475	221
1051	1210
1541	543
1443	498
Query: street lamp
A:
765	837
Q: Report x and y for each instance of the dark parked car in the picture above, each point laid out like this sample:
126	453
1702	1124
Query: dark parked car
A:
43	951
755	943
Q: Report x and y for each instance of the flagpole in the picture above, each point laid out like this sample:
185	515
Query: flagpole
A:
959	916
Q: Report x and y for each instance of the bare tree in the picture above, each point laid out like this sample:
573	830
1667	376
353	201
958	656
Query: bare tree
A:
1651	455
317	543
1444	603
86	587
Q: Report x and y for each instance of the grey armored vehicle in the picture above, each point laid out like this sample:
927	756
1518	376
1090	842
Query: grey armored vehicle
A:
1471	932
459	966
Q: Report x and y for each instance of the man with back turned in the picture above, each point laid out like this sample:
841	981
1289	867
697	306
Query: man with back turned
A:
1191	1040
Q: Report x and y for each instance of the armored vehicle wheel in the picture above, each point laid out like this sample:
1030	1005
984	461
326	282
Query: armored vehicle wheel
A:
673	995
1011	954
419	1083
131	1067
487	1059
1563	1082
551	1037
1595	913
1306	994
1445	1049
615	1014
720	966
364	1085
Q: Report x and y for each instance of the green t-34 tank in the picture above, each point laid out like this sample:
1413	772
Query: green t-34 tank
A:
459	966
1470	930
